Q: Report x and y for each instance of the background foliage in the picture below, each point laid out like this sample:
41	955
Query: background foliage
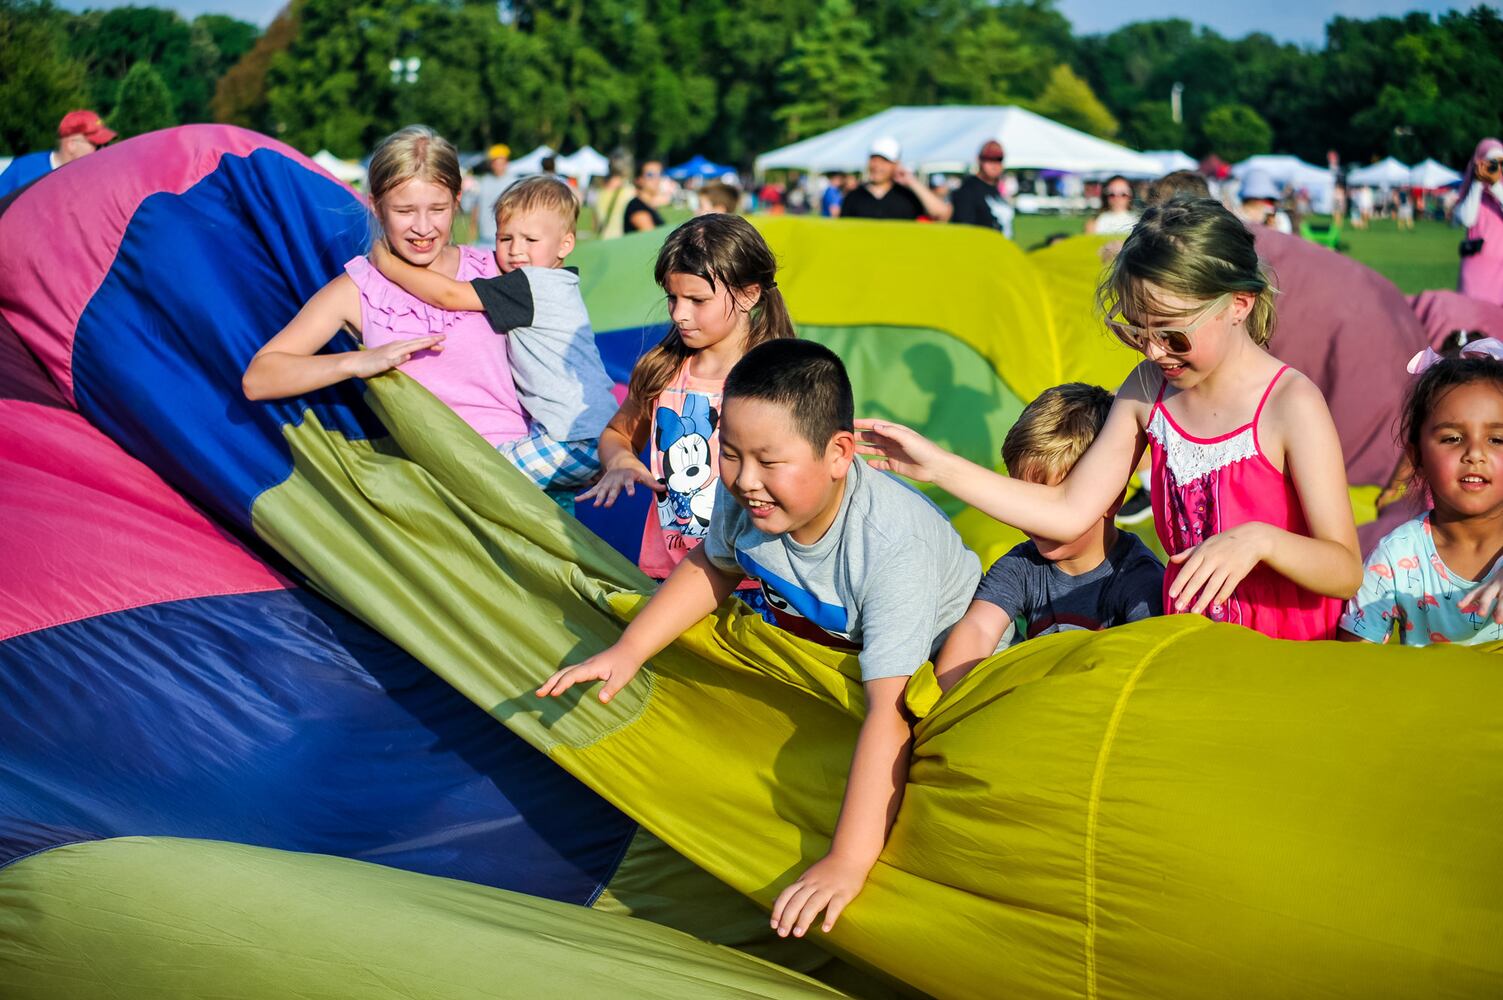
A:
673	77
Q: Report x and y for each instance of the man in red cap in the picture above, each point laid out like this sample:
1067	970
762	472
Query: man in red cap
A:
979	200
78	134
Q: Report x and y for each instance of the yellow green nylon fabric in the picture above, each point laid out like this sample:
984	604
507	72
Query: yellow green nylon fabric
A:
1320	813
148	918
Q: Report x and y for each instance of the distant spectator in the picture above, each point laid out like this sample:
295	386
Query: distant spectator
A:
642	210
614	196
829	202
479	202
78	134
979	200
1481	211
718	196
1117	217
890	191
549	166
1180	184
1260	202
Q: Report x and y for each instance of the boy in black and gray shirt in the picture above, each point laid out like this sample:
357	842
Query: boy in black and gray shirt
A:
1103	578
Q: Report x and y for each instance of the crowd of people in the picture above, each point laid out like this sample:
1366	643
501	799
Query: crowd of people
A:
768	487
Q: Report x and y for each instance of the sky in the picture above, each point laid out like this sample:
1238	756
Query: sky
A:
1299	21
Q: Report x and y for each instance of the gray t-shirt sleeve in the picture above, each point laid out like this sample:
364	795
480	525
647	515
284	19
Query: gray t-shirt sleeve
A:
900	614
507	300
726	522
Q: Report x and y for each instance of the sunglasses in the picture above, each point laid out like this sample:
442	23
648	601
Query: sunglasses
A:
1173	339
1119	194
992	159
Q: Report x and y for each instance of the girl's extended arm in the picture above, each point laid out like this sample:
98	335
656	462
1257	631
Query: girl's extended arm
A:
426	284
620	468
1064	511
289	366
1327	561
879	772
972	640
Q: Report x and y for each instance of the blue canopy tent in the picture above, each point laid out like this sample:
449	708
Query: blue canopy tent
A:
699	167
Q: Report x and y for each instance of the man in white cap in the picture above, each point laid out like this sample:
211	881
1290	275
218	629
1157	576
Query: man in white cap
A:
1260	202
480	201
78	134
890	191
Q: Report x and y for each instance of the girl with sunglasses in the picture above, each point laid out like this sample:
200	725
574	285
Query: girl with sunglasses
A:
1249	489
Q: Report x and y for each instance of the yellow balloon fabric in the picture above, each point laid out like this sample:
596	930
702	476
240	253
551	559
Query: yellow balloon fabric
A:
1172	809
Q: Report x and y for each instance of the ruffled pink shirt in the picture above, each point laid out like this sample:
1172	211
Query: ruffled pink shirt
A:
471	374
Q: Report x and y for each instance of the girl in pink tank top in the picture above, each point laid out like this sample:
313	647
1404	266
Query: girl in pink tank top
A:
414	186
1249	488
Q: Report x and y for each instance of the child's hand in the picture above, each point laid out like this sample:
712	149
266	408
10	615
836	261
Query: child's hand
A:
375	360
1210	571
1486	599
901	449
829	885
613	667
382	257
626	478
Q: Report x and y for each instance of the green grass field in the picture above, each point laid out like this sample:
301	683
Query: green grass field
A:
1422	258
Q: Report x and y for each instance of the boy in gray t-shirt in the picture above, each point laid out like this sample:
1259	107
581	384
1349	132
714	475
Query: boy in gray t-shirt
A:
536	302
1103	578
843	553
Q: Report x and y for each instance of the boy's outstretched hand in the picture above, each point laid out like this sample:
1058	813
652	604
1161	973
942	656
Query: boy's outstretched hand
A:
613	667
900	449
829	885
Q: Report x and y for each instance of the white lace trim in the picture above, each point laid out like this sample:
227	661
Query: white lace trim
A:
1190	460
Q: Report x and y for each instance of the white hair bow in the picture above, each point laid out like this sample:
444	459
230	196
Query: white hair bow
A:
1486	347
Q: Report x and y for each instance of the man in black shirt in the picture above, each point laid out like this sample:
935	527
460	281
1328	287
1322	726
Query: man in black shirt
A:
891	192
979	201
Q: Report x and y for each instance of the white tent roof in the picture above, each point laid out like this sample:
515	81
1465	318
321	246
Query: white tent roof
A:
584	163
1429	174
946	139
1385	173
345	170
1170	160
532	163
1287	171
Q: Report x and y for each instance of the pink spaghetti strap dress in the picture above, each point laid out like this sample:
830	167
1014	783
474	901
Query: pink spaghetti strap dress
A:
1203	486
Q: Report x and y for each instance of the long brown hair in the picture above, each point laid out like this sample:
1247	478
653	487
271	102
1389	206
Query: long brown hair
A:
721	249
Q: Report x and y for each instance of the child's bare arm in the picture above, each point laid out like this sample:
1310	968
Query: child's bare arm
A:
694	589
621	469
430	286
879	772
972	640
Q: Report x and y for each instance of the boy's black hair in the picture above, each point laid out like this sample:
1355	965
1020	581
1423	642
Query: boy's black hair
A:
806	378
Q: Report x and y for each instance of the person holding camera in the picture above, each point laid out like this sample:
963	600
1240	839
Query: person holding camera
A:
1481	212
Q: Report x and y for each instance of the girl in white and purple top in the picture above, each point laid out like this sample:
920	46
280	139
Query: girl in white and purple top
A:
414	185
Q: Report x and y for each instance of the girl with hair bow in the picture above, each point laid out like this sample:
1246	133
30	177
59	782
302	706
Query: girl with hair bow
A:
1437	578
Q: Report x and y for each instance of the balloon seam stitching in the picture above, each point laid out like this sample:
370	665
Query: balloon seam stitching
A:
1094	804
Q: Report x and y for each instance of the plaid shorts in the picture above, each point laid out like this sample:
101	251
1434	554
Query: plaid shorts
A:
551	464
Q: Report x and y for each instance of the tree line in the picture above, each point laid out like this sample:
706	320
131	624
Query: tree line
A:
674	77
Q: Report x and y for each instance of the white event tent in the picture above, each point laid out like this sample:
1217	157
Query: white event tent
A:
345	170
1170	160
584	163
1385	173
1429	175
946	140
1292	172
532	163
